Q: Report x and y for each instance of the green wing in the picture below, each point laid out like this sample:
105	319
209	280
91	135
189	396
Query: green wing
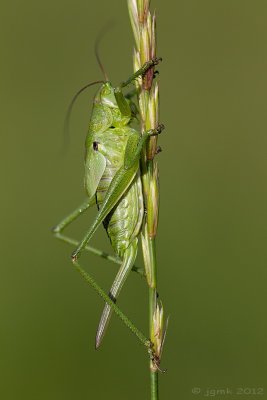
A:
95	165
120	183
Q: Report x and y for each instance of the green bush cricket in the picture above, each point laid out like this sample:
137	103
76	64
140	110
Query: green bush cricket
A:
112	182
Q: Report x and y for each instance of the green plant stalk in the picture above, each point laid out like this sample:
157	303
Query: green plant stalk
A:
144	29
152	306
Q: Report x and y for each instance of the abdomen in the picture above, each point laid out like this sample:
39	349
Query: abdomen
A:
124	222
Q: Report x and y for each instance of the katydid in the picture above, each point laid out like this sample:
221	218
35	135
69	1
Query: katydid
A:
112	181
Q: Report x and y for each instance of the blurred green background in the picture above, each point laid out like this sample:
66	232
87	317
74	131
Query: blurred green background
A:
212	249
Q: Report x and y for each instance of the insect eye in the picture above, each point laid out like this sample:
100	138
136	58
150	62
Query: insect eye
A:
95	146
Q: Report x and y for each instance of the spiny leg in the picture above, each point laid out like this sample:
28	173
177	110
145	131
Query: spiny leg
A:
88	278
70	218
140	72
124	107
133	149
98	252
73	216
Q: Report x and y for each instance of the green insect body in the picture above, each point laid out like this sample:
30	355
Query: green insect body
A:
105	152
113	183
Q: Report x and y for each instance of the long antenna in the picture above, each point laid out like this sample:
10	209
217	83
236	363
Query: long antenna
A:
100	36
102	33
98	58
69	110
